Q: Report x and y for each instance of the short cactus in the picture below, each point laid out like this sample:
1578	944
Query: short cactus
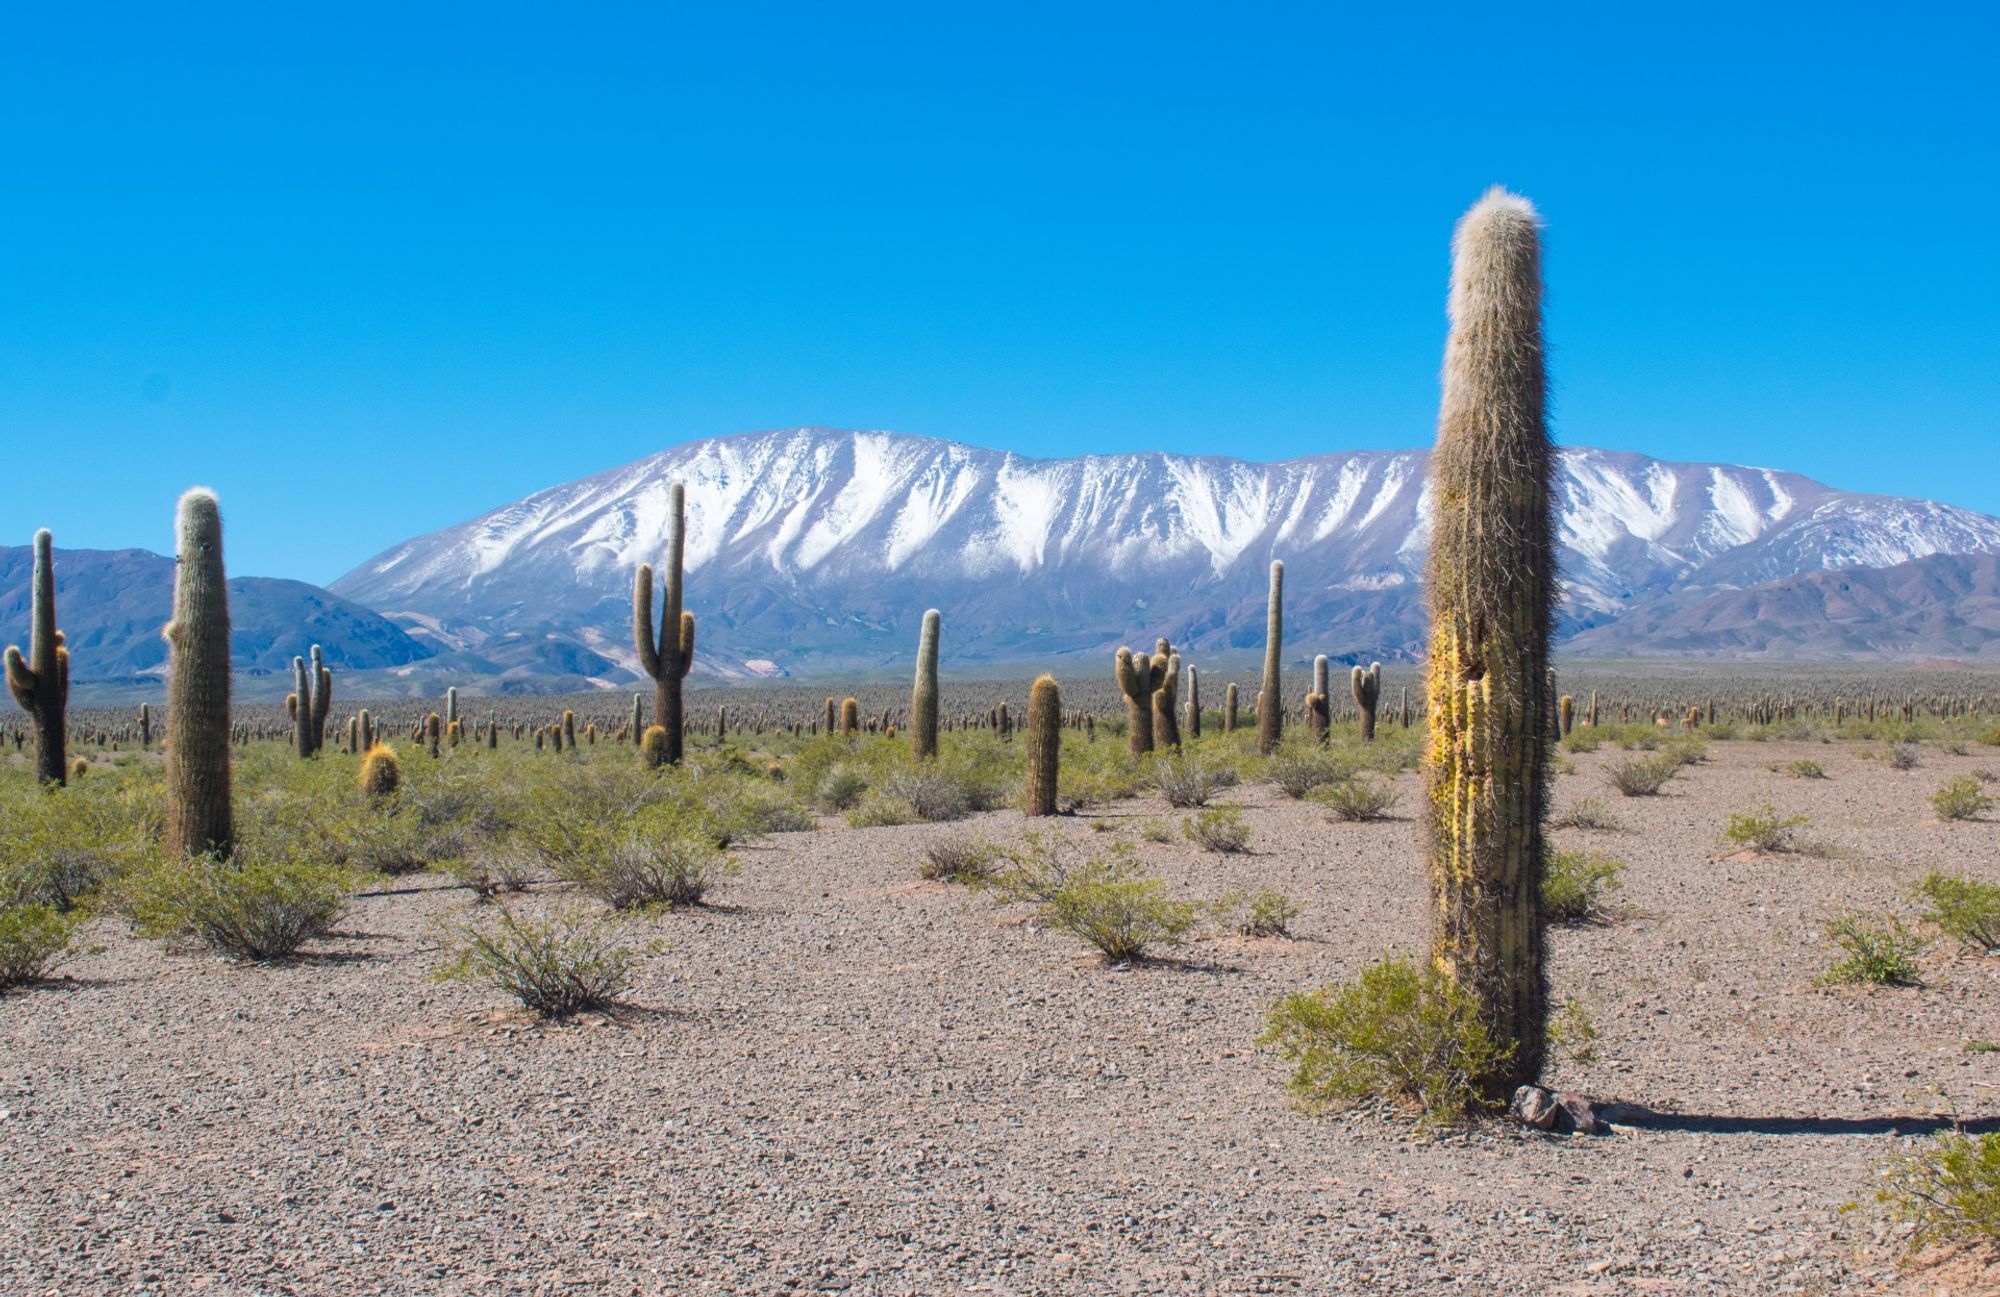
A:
1044	746
653	746
380	774
40	681
850	717
145	726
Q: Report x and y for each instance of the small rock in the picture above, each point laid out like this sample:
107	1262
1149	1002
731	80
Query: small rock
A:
1534	1106
1580	1112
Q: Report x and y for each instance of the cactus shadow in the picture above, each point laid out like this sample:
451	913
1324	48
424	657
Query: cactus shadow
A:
1640	1117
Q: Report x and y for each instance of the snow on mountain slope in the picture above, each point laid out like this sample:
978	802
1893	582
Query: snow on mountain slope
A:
820	548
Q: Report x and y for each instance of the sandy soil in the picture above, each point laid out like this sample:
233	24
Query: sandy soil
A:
852	1081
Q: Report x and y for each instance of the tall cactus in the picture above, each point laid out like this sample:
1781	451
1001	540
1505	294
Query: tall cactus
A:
1166	726
145	726
1366	686
313	691
1229	708
450	704
668	656
1044	746
1271	702
1491	585
1319	707
924	695
1192	723
1139	675
40	681
199	818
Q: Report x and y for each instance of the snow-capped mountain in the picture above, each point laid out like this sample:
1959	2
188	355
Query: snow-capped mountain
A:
815	548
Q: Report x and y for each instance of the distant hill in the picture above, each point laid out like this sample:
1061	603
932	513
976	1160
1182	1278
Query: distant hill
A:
112	604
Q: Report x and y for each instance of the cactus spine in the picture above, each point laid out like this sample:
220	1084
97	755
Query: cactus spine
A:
652	746
1044	746
668	656
1367	689
40	681
1492	589
850	717
380	774
198	817
1271	702
924	695
1139	675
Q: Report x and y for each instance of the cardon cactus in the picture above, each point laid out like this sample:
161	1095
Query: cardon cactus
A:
1044	746
1229	708
1319	708
40	680
850	717
1166	726
1271	701
1565	715
653	746
1191	721
367	729
1366	687
638	721
312	696
433	733
145	726
668	656
380	773
199	818
493	729
924	694
1491	586
1139	676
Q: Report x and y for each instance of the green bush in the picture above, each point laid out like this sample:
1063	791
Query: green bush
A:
1875	950
932	795
1357	800
1400	1035
1902	756
1590	813
879	810
1581	739
555	967
1804	768
1297	772
841	789
60	845
1949	1191
1961	799
1100	899
957	860
1762	829
1963	909
1188	781
35	940
1219	828
1156	830
1643	776
1574	882
645	871
252	907
1264	913
490	870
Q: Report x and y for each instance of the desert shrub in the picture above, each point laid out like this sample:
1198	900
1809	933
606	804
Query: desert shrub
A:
742	808
1806	769
1876	950
932	795
1401	1034
1574	881
1589	813
1642	776
1188	781
555	967
1963	909
1685	751
957	860
1581	739
1298	771
1219	828
1263	913
879	810
645	870
254	907
492	869
1098	898
1079	788
1358	799
1156	830
35	940
1961	799
1902	756
1761	828
58	846
1948	1191
840	789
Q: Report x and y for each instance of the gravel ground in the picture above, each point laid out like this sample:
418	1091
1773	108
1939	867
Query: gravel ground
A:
849	1080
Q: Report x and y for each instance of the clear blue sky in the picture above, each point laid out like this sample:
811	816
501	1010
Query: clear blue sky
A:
370	270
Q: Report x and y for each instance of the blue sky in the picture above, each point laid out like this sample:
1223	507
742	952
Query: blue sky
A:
370	270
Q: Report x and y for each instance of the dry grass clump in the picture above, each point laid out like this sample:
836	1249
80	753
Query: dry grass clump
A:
1643	776
251	907
556	967
1358	799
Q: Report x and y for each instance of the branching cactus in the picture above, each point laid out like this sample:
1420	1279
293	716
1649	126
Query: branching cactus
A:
312	695
199	819
1366	686
924	695
667	656
1139	675
1491	586
1044	746
40	681
1319	708
1166	726
1271	701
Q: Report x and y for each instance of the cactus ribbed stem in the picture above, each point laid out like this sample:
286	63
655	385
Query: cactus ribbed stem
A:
1044	746
1491	586
1193	722
850	717
199	817
924	694
1366	686
40	681
1229	709
1139	676
668	656
1271	702
1166	726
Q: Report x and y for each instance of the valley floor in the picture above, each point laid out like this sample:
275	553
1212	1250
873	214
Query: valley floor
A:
843	1079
